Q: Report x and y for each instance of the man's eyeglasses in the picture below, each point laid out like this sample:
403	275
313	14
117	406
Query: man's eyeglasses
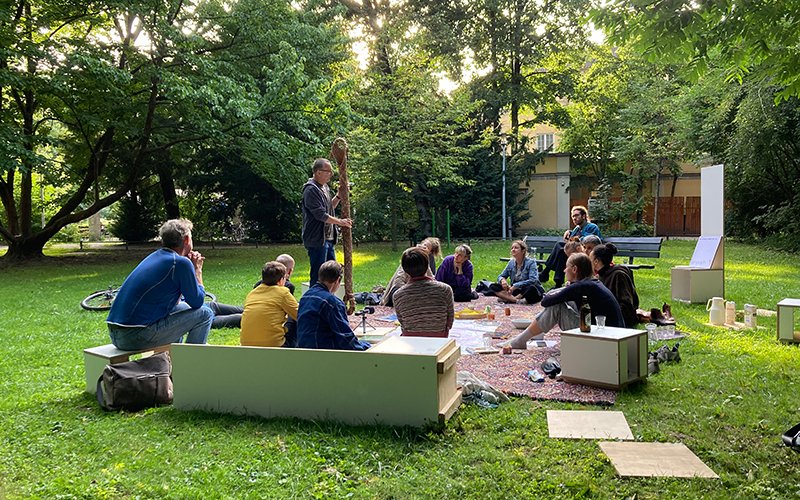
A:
326	171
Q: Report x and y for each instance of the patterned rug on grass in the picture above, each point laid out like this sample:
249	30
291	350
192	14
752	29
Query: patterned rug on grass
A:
509	373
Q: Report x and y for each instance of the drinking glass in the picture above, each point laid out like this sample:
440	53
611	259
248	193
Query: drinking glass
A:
601	322
651	332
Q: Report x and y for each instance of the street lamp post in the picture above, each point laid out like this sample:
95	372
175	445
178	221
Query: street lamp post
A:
503	144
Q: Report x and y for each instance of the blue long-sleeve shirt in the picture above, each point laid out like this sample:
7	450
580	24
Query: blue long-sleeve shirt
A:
447	274
528	276
582	232
322	322
153	288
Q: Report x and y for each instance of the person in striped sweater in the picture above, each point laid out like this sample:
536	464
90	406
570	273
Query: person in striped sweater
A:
424	306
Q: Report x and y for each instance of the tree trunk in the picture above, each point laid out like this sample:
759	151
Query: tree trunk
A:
167	183
339	152
25	249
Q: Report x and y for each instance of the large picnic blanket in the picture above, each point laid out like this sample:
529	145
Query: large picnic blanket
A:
508	373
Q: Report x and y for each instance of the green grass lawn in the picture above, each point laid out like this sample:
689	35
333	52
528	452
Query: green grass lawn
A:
729	400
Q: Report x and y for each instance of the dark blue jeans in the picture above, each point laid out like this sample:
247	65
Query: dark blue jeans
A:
318	256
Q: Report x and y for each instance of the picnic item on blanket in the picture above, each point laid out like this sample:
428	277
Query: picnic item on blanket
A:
479	392
339	153
791	438
470	314
551	367
662	317
136	385
536	376
520	323
367	298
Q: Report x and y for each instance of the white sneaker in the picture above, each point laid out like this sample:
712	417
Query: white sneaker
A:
522	301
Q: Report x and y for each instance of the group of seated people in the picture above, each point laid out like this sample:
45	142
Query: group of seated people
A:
163	298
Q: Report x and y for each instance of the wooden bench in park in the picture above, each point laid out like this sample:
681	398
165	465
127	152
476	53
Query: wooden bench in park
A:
648	247
95	360
401	381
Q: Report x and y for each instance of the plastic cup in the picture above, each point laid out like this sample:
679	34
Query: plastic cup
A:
601	322
651	332
487	340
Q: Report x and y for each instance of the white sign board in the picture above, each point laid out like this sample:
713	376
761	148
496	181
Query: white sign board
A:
705	252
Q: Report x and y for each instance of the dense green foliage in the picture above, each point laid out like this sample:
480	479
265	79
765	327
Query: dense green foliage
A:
728	400
98	98
748	38
214	110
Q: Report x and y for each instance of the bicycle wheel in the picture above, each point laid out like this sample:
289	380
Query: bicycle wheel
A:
99	301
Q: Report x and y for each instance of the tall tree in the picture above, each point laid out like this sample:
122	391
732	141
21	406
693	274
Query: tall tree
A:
513	39
411	143
93	95
760	38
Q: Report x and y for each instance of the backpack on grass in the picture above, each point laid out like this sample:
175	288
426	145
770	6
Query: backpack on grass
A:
135	385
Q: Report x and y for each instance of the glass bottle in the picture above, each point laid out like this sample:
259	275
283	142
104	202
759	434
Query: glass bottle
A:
586	316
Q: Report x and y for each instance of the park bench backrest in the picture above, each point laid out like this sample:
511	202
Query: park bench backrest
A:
627	246
539	246
648	247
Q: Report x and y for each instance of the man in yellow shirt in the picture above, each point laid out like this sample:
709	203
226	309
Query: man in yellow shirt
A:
270	311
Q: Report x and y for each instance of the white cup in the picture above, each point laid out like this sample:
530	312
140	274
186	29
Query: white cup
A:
601	322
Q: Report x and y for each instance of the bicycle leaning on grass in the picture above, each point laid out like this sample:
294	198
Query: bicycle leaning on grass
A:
101	300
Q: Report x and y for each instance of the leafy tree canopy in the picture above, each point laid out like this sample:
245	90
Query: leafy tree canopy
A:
94	96
762	37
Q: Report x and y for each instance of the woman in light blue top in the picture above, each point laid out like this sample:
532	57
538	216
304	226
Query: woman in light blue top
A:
519	281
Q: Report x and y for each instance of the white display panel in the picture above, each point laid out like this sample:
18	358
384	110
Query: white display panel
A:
712	201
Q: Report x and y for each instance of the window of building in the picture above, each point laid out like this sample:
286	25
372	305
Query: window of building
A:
544	142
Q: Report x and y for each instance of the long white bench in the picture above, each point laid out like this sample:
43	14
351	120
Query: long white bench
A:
95	360
402	381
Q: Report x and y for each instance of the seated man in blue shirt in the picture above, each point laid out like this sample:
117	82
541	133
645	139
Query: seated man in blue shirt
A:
557	259
162	299
562	306
322	318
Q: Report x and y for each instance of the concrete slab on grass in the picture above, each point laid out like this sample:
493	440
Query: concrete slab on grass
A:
588	425
655	460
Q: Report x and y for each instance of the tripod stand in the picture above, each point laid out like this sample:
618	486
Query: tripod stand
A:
364	323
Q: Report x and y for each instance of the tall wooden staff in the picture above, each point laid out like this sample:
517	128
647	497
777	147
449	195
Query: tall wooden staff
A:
339	153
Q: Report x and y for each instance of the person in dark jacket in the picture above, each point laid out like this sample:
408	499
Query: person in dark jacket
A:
562	305
322	318
319	235
618	280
